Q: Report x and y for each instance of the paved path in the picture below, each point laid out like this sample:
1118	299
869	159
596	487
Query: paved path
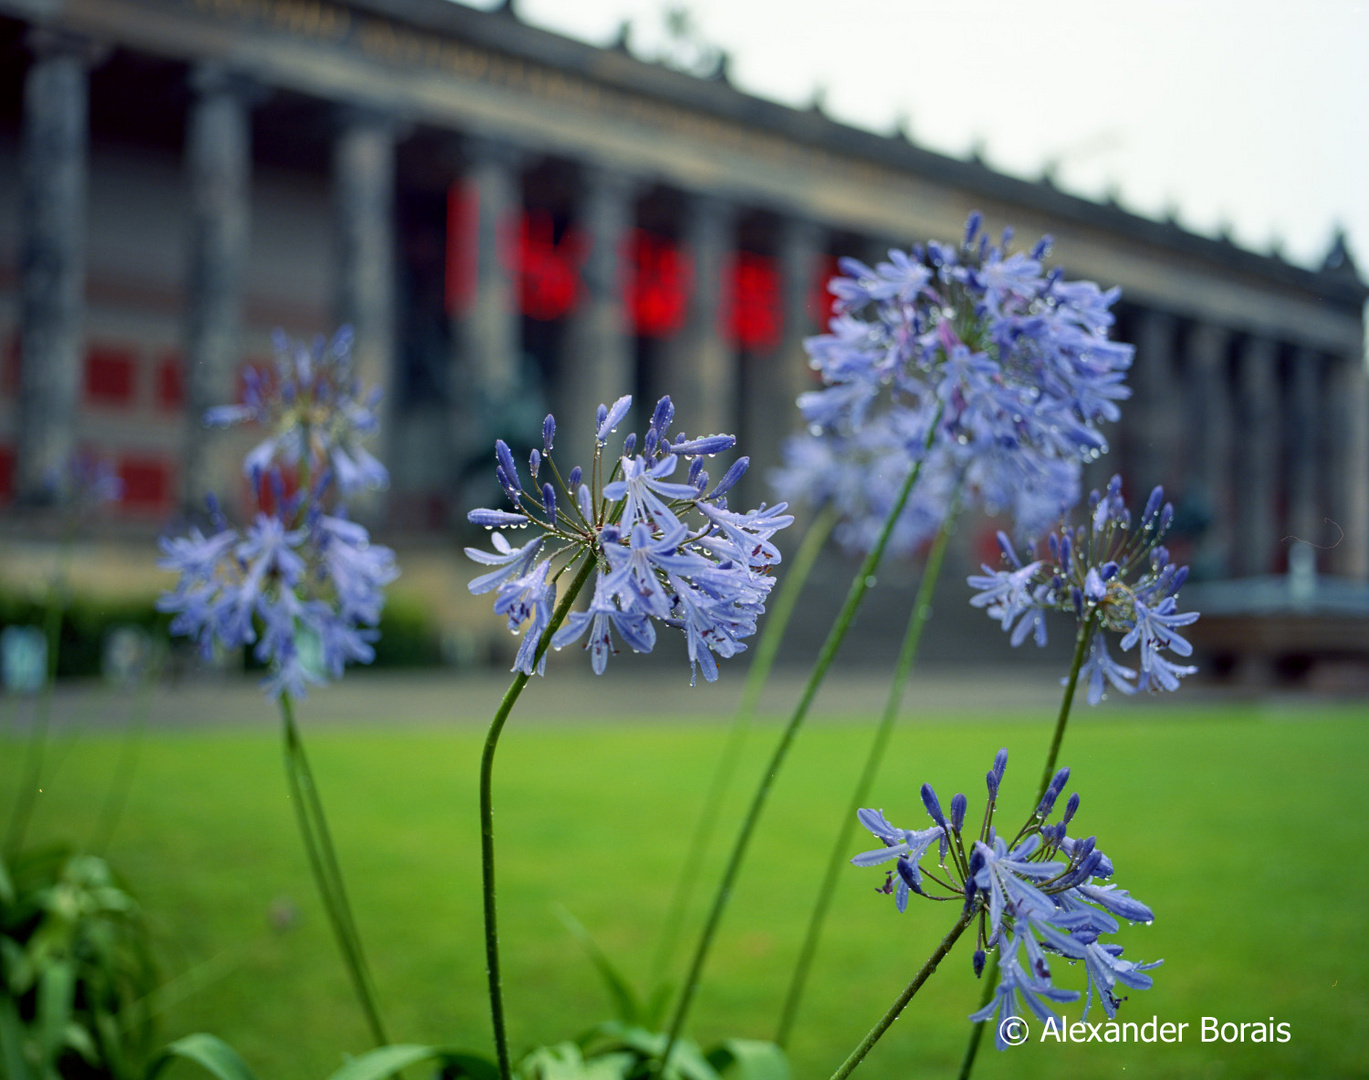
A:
661	694
653	692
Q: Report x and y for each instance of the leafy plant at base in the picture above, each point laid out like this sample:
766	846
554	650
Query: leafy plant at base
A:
75	970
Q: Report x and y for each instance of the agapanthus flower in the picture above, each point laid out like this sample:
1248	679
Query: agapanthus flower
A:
87	481
302	583
665	547
1042	894
1109	576
312	405
1010	362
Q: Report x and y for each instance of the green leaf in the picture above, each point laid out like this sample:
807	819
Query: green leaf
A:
565	1061
686	1060
624	1000
207	1051
750	1059
77	1038
656	1005
56	990
388	1060
7	893
12	1062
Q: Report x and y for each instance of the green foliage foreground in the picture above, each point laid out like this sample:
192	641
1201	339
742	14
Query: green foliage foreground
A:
1245	829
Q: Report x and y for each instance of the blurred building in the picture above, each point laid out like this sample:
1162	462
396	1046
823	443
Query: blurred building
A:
515	222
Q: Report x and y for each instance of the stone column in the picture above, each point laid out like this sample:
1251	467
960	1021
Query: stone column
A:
490	330
1304	475
52	225
701	364
1258	448
219	171
364	194
599	361
1349	433
1148	411
1213	447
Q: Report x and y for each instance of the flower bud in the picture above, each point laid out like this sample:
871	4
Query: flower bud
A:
929	800
660	419
733	474
505	456
958	806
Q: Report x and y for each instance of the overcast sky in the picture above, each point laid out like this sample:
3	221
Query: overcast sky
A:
1251	114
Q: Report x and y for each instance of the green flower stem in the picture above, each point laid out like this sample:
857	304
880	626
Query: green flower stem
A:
1081	645
977	1029
38	735
318	846
501	1044
860	584
122	780
858	1054
757	676
912	638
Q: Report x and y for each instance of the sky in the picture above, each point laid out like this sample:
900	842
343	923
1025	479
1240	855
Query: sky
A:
1248	116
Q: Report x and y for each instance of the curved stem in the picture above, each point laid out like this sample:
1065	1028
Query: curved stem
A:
858	1054
318	846
1081	646
977	1028
501	1044
756	678
860	585
912	638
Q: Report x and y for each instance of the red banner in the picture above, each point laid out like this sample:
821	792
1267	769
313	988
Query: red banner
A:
753	304
548	270
658	281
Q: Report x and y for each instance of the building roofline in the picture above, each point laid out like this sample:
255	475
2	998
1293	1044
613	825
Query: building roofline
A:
503	31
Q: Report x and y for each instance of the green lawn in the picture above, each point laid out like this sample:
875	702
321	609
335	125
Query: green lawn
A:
1244	829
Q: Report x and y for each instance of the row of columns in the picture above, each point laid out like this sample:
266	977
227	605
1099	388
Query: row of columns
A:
1323	429
704	378
599	348
218	158
1214	420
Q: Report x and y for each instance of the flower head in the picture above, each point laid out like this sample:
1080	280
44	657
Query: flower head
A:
1109	576
665	548
313	407
303	584
1042	894
1007	361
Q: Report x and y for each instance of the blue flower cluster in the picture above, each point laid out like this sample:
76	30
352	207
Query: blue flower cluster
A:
1010	361
313	407
1108	576
87	482
665	551
303	584
1030	904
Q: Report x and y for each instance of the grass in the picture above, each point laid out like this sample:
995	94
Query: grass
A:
1243	828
